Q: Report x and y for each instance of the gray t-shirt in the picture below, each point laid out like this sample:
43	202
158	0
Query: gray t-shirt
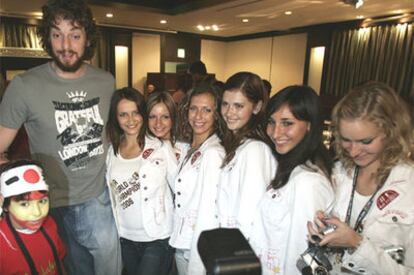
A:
64	119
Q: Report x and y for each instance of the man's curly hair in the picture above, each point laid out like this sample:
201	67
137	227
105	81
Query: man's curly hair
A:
76	11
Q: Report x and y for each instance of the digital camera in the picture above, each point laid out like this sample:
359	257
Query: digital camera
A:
315	261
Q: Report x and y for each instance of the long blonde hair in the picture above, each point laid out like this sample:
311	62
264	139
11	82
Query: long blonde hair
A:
379	104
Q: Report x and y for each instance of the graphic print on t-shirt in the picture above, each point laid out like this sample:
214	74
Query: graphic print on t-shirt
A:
125	189
80	127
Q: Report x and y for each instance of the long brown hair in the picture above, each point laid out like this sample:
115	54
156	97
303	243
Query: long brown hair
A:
164	97
113	130
304	104
184	127
251	85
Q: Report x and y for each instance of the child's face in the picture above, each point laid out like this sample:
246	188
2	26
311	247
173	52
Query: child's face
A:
29	213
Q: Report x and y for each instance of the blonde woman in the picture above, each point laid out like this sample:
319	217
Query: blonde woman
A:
374	211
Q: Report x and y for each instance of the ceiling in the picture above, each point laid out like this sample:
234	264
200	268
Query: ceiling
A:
185	15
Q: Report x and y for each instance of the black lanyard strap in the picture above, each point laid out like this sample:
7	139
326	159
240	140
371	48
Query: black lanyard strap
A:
26	253
53	247
23	248
358	223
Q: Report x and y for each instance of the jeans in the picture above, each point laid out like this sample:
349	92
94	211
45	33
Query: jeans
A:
146	258
90	235
182	257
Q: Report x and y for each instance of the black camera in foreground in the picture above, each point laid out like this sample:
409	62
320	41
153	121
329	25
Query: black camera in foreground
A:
226	251
315	260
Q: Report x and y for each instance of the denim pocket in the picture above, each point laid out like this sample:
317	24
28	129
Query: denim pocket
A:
103	198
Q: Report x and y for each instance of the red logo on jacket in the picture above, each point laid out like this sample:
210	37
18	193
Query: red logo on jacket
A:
147	153
195	157
386	197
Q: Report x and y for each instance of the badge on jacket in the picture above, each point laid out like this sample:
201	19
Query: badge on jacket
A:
386	197
195	157
147	153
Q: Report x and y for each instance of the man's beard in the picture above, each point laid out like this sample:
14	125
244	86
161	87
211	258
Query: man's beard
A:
67	67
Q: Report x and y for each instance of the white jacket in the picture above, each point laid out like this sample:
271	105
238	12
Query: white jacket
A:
158	168
279	233
195	189
390	222
242	184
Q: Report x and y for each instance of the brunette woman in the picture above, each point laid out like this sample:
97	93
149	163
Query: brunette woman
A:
301	184
139	168
249	165
163	121
195	186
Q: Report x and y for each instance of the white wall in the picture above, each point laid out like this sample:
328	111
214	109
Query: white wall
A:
288	60
249	55
279	59
146	56
213	54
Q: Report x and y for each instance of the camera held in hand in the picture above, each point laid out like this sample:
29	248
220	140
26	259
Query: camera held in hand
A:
315	259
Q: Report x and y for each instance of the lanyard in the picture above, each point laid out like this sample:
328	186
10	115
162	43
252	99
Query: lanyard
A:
358	224
26	253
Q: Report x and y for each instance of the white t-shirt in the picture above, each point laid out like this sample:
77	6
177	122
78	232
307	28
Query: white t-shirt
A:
125	181
357	205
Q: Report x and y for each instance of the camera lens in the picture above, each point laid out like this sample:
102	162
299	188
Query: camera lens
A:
320	270
316	239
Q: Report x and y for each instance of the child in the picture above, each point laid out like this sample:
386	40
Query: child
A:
29	242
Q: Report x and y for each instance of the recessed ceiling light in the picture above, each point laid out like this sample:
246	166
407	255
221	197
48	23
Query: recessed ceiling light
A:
207	27
215	27
109	15
245	20
288	12
163	21
200	27
360	16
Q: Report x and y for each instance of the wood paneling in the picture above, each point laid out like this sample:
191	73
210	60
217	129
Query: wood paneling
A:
170	43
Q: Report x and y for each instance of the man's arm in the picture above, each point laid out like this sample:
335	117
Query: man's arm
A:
7	136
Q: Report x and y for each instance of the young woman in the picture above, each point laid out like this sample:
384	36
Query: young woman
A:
29	240
374	210
138	170
162	116
249	165
301	185
163	120
195	186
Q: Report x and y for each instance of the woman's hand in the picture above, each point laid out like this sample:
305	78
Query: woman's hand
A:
342	236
